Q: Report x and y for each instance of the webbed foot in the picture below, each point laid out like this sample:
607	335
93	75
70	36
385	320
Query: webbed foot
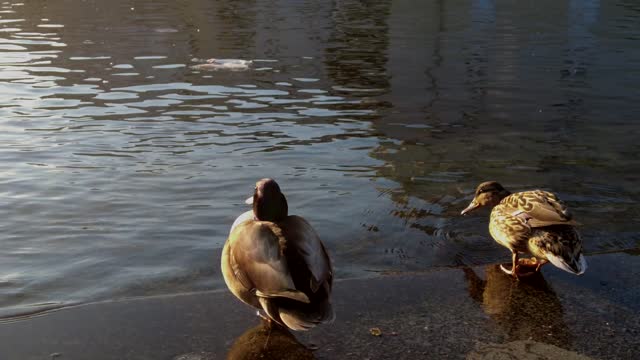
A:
532	265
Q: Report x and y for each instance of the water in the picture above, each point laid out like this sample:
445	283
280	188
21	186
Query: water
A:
122	166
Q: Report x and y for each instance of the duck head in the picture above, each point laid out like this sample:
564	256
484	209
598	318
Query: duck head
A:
269	204
489	193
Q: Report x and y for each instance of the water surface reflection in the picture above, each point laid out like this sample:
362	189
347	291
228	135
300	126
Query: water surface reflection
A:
123	166
268	342
524	310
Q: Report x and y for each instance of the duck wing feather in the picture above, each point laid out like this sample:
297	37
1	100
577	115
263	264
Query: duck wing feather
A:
258	261
307	253
562	246
540	208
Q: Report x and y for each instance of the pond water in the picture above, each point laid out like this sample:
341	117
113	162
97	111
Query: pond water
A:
123	163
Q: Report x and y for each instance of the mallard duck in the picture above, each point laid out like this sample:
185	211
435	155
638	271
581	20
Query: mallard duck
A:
276	262
534	222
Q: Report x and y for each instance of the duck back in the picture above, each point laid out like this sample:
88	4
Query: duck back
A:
311	272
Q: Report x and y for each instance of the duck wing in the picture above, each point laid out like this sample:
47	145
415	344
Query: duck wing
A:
562	246
539	208
258	262
312	274
307	254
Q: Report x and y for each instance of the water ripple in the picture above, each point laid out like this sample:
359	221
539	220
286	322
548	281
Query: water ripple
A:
122	167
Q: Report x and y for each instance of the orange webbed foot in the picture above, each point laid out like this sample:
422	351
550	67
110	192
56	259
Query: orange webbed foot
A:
532	265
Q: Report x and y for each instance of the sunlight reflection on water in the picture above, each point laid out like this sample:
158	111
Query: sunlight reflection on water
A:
124	166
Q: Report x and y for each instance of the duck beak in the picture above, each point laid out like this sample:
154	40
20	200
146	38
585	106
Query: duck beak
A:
249	200
474	205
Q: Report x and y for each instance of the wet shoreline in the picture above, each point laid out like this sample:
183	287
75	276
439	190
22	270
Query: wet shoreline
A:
457	313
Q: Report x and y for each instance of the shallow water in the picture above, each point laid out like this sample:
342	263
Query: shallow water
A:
123	165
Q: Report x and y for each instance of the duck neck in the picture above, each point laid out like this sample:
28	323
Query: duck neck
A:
270	208
501	195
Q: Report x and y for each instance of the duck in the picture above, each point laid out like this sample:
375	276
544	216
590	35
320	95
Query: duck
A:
277	263
534	222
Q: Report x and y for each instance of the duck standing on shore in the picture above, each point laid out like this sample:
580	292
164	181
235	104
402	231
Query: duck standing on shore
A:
276	262
534	222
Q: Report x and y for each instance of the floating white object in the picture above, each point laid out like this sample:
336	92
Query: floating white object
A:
224	64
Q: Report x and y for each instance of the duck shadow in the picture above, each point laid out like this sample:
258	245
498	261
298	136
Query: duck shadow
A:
527	309
268	342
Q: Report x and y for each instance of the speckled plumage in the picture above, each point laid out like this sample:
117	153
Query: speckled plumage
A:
533	222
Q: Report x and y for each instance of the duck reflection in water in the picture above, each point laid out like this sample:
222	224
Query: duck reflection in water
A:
268	341
524	310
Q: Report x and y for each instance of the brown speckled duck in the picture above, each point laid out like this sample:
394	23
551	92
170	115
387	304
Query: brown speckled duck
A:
276	262
534	222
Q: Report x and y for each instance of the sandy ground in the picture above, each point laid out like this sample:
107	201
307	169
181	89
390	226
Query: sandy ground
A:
472	313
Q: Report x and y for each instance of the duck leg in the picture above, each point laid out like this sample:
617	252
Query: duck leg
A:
264	317
540	263
514	265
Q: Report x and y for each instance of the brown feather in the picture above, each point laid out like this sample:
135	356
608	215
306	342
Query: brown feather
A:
541	206
278	263
257	257
535	222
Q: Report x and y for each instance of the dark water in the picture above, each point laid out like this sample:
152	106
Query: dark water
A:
122	167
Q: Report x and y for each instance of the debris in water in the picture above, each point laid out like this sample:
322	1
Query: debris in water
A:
224	64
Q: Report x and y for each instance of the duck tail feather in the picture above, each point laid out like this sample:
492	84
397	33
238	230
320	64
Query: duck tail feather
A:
301	320
583	264
289	294
574	266
271	309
